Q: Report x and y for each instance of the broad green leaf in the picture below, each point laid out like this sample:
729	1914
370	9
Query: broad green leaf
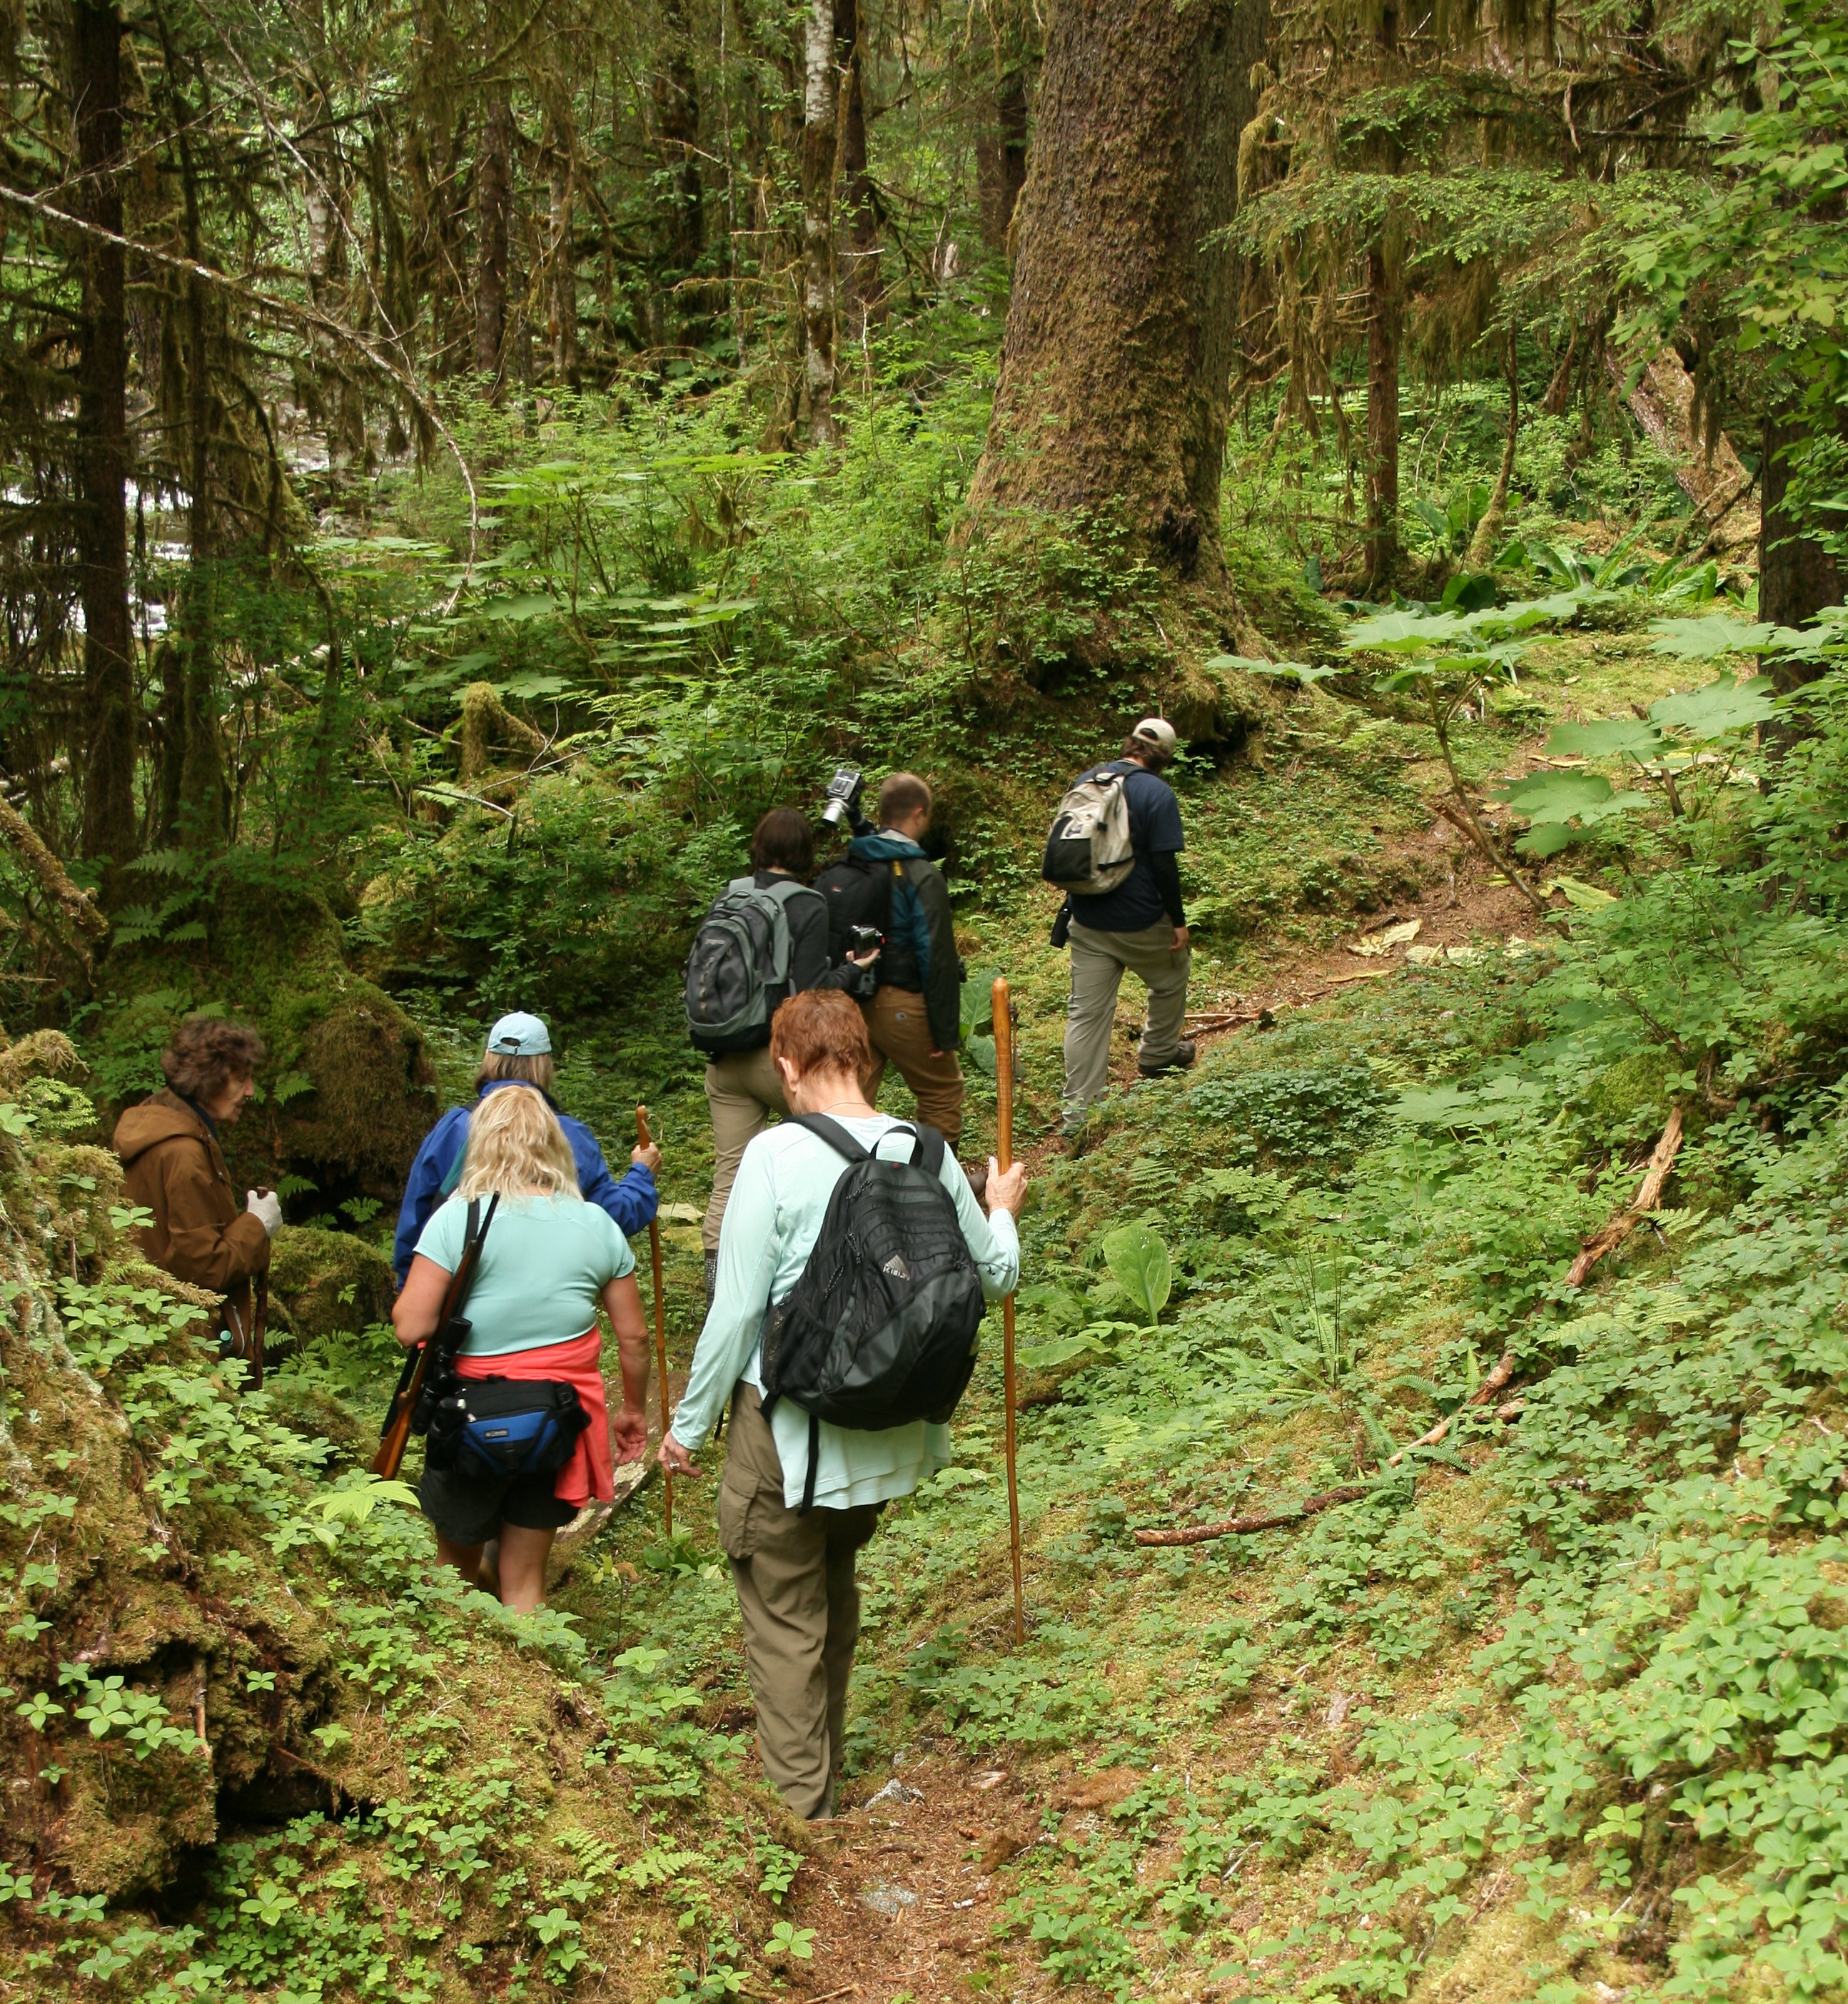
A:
1451	1106
1557	796
527	605
1405	632
1704	640
1611	737
1061	1349
1138	1262
1721	706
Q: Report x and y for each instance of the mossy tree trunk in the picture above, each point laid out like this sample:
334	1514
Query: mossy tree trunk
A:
1117	362
821	124
494	197
1001	160
111	824
1797	576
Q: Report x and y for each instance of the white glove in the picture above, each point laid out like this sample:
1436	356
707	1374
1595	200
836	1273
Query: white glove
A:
266	1205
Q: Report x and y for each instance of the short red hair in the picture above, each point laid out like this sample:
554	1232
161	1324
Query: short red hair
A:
822	1029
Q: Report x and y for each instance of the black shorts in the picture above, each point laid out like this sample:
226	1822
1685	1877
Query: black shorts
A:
467	1511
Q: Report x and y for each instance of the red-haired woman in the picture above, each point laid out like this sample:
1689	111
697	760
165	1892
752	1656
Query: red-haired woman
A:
793	1569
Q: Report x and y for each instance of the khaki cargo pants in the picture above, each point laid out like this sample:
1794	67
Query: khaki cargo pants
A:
1098	961
800	1605
898	1026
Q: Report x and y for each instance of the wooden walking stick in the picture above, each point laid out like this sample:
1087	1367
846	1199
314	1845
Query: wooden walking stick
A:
1004	1152
644	1140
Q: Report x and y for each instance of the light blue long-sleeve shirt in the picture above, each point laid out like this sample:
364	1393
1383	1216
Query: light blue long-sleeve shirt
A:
771	1221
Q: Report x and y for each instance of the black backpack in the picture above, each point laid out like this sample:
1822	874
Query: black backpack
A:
737	973
880	1329
857	892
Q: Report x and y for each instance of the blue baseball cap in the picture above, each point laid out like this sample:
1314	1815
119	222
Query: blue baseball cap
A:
519	1035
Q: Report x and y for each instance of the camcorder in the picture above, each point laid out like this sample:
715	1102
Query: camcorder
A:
842	800
863	940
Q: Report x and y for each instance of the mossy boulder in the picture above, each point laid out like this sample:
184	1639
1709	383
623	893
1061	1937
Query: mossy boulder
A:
348	1090
328	1282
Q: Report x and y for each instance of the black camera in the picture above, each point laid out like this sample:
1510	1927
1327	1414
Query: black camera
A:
863	940
843	794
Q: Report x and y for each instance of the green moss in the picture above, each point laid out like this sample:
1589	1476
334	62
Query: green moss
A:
328	1280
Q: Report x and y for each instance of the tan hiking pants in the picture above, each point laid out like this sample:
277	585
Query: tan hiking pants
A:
800	1605
743	1089
1098	961
899	1028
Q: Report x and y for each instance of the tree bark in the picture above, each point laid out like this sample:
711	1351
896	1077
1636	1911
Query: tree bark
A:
1001	161
821	120
862	284
1116	365
1383	419
676	92
493	192
1797	577
110	711
562	257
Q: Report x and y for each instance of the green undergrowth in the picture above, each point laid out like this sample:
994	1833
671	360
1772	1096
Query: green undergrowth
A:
255	1744
1555	1708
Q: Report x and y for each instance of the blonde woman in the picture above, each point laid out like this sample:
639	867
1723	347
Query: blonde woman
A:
548	1260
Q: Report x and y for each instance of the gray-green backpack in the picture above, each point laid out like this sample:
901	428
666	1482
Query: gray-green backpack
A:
738	969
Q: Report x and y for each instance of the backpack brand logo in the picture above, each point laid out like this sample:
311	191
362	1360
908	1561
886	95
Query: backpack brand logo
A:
896	1268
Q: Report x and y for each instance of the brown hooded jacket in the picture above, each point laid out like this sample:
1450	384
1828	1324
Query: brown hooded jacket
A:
172	1164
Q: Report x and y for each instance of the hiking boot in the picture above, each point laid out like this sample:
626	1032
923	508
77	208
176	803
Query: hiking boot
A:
1185	1053
977	1174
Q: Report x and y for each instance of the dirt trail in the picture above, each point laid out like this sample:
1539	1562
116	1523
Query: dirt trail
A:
901	1890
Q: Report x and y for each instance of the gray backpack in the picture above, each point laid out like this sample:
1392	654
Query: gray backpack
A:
738	969
1088	852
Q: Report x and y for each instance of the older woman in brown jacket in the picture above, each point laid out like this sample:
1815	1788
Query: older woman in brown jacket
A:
173	1166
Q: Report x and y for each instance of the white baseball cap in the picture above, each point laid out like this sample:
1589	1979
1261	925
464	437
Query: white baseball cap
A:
519	1035
1157	731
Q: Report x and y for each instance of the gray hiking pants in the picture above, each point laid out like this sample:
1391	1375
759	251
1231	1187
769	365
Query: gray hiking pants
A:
1098	960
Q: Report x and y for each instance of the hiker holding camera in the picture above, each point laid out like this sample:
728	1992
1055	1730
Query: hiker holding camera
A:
887	892
519	1434
841	1391
765	940
1113	848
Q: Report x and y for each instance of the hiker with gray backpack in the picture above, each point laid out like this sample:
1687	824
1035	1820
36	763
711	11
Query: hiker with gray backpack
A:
854	1265
765	939
1113	848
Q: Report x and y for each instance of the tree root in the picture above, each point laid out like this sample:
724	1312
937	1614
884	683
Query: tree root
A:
1261	1520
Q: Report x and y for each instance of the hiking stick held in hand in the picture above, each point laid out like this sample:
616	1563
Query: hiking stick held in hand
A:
644	1140
1003	1154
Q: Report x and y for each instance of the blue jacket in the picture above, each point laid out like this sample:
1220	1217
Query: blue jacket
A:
632	1203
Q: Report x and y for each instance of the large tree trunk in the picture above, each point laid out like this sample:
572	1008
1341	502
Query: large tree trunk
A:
821	122
493	194
110	823
1001	161
1115	367
861	282
676	92
1797	577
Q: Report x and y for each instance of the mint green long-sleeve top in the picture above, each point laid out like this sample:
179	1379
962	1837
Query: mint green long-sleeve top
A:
771	1221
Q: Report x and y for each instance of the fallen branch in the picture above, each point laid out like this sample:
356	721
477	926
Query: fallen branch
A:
1261	1520
1648	1195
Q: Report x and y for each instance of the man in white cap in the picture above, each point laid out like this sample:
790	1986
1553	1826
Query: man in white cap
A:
1141	925
519	1052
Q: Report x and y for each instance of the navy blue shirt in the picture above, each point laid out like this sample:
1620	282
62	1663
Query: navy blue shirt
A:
1137	903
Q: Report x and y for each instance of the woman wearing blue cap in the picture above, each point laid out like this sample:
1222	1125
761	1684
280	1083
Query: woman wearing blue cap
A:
519	1052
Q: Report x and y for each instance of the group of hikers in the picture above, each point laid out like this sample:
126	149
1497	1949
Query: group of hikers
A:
848	1254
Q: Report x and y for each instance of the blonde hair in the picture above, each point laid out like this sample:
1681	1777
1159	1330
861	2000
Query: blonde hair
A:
517	1146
